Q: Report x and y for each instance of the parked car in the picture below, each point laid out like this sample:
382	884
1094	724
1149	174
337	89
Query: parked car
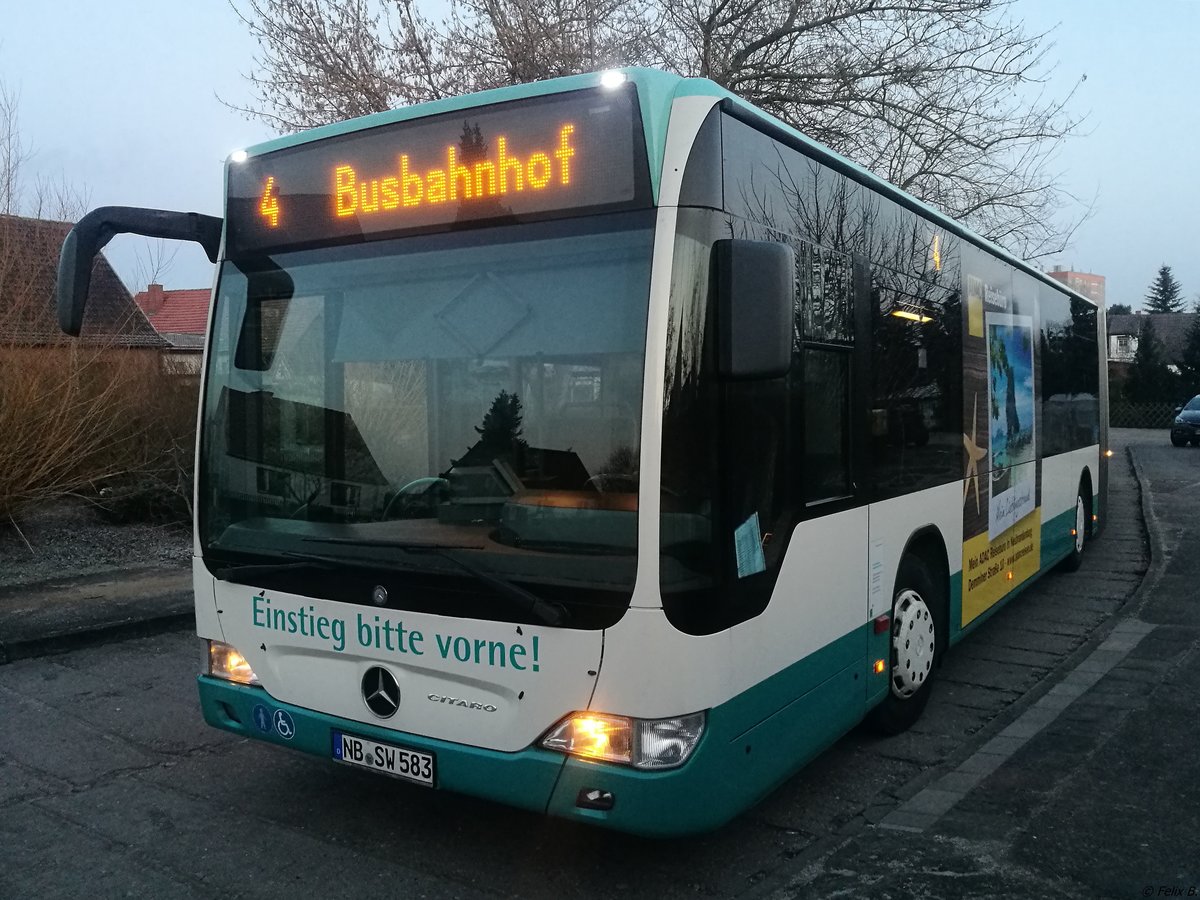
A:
1186	426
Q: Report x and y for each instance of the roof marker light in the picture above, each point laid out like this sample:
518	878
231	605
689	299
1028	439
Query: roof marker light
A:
612	79
238	156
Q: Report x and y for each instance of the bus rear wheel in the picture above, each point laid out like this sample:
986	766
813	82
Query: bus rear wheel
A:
1079	533
916	645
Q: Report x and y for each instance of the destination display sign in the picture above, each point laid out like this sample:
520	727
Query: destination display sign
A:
560	154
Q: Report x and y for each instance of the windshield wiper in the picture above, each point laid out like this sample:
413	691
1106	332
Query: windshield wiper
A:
544	610
245	573
398	545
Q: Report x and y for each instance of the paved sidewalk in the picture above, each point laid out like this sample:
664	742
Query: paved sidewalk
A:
63	613
1089	785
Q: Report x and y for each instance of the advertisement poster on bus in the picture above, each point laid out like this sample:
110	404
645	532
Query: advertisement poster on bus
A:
1001	512
1011	427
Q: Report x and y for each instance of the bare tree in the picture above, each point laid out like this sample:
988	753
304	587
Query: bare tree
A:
13	151
45	198
154	261
945	98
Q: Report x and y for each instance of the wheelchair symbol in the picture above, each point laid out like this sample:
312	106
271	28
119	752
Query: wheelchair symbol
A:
283	725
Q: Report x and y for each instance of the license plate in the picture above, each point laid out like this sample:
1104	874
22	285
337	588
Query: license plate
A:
412	765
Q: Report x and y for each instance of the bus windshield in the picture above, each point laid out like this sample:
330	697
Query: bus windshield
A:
427	408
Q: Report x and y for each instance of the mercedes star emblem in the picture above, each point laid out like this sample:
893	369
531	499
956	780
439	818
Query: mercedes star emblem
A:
380	692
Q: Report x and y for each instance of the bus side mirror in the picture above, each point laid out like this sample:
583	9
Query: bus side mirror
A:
74	276
100	226
756	287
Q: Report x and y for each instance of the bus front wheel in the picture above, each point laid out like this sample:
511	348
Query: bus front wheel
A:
916	644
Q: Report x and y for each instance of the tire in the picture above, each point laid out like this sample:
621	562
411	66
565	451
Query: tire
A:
1179	441
1195	442
1083	521
918	641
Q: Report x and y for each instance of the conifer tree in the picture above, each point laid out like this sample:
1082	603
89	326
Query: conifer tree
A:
1149	379
1190	363
1165	294
500	430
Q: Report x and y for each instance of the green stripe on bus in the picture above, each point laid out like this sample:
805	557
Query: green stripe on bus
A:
751	744
523	779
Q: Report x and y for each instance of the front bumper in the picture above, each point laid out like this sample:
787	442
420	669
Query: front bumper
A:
649	803
525	779
1186	431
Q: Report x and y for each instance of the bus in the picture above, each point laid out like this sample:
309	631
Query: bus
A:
607	448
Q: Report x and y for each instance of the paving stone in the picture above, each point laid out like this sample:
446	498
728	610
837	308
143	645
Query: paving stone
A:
1101	661
1054	643
933	801
1068	690
915	747
1016	656
953	720
993	674
960	781
1032	720
1082	678
974	696
906	821
1003	745
982	763
1064	621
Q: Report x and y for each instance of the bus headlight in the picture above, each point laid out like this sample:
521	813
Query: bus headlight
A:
641	743
225	662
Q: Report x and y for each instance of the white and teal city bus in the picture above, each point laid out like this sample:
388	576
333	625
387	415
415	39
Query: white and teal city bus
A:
607	448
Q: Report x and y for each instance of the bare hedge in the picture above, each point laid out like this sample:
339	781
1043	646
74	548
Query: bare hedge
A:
78	418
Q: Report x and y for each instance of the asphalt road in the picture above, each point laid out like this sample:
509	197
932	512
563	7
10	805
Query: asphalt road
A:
1058	754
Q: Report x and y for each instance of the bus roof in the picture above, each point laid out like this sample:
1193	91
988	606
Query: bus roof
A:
656	91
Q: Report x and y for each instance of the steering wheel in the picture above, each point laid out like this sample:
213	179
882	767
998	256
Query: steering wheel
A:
412	489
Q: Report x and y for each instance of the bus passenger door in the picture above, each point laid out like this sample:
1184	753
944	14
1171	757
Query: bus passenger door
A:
812	630
827	394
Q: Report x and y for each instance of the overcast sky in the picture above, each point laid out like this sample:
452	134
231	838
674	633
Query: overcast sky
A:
121	98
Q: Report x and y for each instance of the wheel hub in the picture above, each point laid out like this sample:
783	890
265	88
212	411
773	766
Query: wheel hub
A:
913	643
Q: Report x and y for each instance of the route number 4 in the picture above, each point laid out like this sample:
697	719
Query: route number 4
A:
268	207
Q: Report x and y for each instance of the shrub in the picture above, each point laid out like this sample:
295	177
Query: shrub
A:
74	417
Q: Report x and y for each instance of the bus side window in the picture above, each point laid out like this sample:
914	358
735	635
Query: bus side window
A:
826	424
823	350
915	419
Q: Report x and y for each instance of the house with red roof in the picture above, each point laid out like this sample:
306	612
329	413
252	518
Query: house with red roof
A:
181	319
